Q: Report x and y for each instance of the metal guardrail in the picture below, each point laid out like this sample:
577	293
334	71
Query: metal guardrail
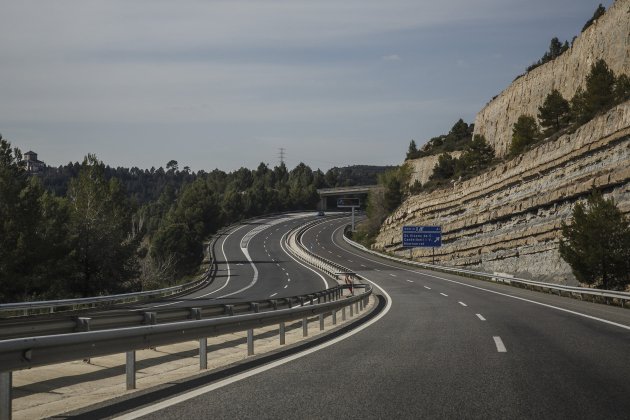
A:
29	308
299	250
607	295
27	352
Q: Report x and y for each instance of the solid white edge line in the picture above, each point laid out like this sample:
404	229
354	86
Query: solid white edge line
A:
580	314
299	262
227	281
220	384
499	343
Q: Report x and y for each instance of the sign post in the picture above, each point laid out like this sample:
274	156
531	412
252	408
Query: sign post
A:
423	237
352	203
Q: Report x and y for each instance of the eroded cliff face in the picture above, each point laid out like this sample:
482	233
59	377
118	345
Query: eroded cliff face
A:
608	39
508	219
422	168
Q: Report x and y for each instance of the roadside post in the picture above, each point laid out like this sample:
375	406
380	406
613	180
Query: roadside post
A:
345	203
422	237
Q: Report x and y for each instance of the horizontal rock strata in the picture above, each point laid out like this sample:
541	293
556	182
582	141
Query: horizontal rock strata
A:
508	219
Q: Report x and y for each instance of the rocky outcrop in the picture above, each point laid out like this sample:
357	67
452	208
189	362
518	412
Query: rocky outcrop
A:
422	168
608	38
508	219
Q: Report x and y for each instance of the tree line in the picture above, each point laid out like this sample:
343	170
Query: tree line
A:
88	229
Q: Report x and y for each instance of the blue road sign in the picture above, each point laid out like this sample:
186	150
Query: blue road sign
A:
422	236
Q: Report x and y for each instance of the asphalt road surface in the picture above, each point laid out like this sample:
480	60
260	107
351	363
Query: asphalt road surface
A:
443	347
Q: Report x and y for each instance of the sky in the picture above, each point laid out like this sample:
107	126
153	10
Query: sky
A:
226	84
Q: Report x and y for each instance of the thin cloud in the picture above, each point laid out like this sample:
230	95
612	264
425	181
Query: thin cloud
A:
392	57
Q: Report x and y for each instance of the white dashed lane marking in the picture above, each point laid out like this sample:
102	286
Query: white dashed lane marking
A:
444	294
499	343
462	303
410	281
427	287
480	317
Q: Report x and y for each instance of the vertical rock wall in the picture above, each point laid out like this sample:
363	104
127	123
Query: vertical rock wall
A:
608	38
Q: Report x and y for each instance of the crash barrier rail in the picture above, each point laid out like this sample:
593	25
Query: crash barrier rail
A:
300	251
24	353
609	296
87	341
17	327
51	306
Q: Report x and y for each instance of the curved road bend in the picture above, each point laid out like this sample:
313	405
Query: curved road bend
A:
448	347
252	264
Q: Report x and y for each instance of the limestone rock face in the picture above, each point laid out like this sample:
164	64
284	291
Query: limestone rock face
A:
422	168
608	38
508	219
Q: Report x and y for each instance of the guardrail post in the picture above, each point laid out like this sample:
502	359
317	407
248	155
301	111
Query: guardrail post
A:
250	342
203	353
321	322
6	397
131	369
195	313
83	325
343	313
304	327
334	317
351	310
282	333
150	318
357	307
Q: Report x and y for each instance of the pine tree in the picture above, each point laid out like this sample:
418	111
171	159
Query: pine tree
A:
444	168
100	230
599	12
600	85
477	156
622	89
554	113
412	152
597	244
524	133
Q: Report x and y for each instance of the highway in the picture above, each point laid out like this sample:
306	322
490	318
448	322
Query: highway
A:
252	264
443	346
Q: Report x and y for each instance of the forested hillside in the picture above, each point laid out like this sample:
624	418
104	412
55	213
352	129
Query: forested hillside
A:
85	229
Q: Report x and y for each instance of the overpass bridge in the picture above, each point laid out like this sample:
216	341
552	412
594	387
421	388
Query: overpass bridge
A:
329	196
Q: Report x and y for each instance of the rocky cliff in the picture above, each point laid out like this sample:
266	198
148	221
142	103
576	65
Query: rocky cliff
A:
608	38
508	219
422	168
